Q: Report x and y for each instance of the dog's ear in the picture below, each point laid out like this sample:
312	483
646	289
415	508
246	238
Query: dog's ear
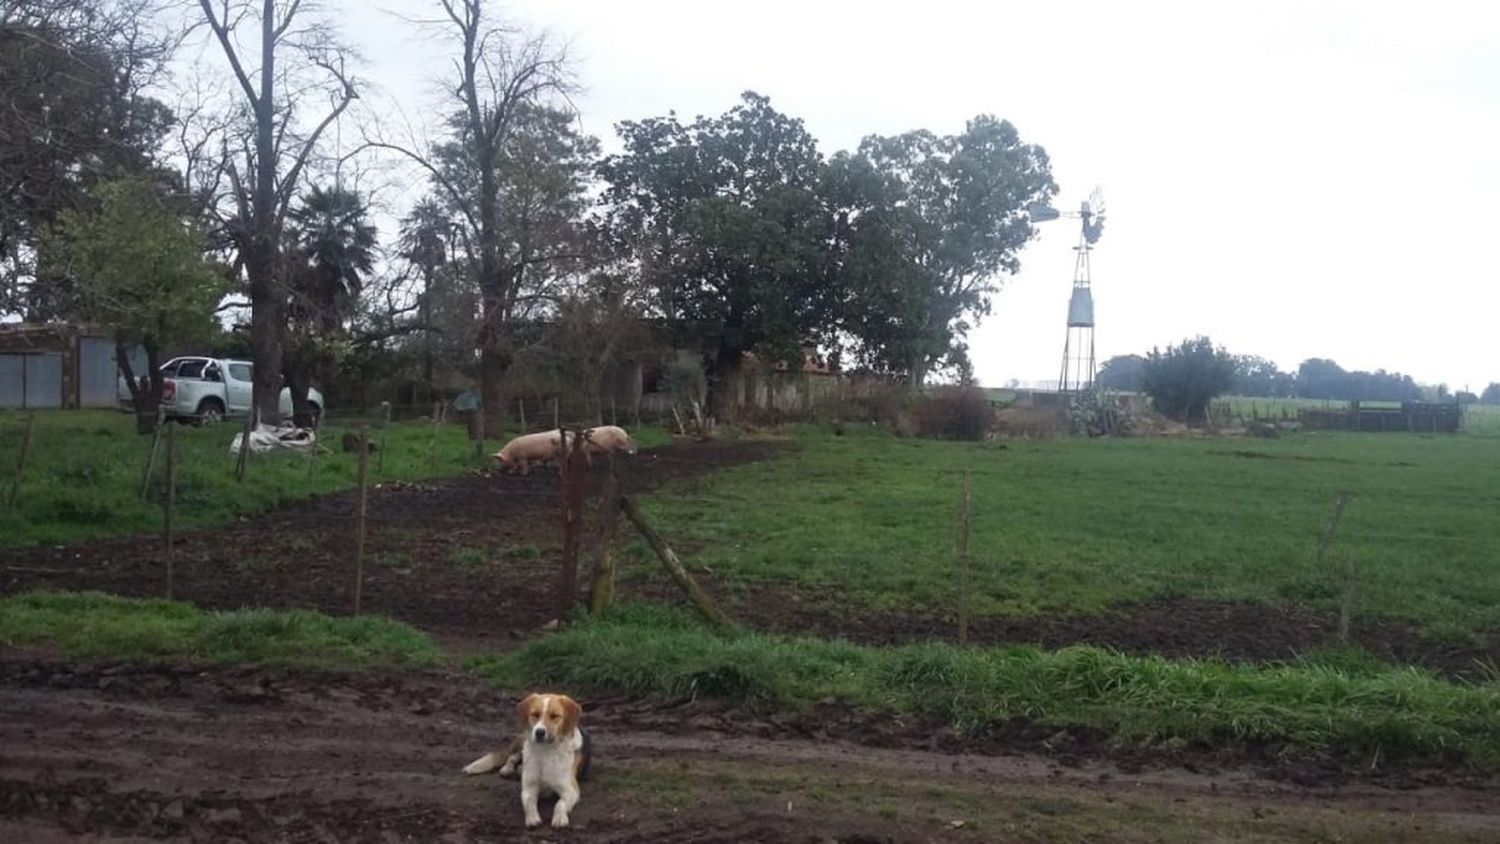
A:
523	709
571	713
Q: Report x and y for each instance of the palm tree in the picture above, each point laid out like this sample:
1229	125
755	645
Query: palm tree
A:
335	243
332	249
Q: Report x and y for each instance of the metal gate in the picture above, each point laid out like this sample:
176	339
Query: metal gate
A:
98	373
31	380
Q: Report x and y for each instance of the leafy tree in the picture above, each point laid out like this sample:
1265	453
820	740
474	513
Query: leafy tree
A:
73	77
935	222
1185	378
1491	394
333	249
724	220
139	268
1125	373
1323	379
1256	376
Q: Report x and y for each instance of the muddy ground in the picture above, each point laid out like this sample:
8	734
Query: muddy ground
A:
91	751
180	753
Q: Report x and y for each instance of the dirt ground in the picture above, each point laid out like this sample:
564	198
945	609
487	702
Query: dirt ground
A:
124	752
178	753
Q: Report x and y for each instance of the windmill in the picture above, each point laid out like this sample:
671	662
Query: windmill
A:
1078	344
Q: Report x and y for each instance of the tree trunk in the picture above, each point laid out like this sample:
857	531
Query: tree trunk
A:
143	398
299	381
493	363
723	385
260	262
917	375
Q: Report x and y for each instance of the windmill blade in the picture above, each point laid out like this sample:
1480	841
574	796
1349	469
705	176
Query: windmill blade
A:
1095	203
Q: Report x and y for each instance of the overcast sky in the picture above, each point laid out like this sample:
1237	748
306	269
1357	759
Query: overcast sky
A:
1294	179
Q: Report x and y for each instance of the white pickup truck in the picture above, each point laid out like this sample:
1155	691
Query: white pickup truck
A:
207	390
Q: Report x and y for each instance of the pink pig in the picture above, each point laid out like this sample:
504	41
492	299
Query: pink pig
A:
521	451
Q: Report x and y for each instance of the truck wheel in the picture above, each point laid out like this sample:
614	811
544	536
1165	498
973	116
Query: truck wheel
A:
210	412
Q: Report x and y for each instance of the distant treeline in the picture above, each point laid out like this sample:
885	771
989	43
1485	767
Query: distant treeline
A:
1315	378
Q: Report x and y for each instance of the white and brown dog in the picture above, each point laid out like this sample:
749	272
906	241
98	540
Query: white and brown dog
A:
552	753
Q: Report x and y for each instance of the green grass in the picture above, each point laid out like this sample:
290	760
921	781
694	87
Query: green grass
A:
1073	525
1375	714
83	480
96	625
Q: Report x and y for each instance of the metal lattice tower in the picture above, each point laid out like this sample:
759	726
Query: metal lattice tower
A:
1078	344
1078	366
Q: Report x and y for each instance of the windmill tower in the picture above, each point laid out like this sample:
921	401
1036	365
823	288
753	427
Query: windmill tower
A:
1078	365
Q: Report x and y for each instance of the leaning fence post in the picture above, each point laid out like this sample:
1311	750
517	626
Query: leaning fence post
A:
963	564
169	508
700	599
161	419
361	513
556	414
26	438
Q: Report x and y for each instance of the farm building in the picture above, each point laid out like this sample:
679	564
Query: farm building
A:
58	366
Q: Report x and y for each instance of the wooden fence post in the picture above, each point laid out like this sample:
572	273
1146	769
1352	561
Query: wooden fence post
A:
168	510
573	476
602	589
674	566
437	408
251	416
161	419
556	414
963	564
26	438
385	437
1346	597
361	513
521	412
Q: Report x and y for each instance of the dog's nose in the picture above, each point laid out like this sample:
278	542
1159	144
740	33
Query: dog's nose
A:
540	733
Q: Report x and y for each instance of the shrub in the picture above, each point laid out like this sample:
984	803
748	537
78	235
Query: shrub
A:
1185	378
954	413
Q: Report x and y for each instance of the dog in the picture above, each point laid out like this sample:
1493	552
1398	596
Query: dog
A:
552	753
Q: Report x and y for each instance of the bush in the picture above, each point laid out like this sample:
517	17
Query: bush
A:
954	413
1185	378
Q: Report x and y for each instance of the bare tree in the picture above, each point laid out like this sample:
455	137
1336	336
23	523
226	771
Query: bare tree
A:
596	325
263	159
501	77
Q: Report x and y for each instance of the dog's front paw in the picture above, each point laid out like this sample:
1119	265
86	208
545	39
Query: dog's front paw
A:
559	820
533	821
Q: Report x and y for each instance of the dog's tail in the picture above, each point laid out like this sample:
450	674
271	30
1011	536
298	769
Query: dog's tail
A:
486	763
585	756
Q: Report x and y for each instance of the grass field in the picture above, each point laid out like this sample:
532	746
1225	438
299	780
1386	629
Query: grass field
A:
1075	525
92	624
1374	713
83	479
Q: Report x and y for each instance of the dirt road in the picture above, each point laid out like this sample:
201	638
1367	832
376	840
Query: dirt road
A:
188	754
